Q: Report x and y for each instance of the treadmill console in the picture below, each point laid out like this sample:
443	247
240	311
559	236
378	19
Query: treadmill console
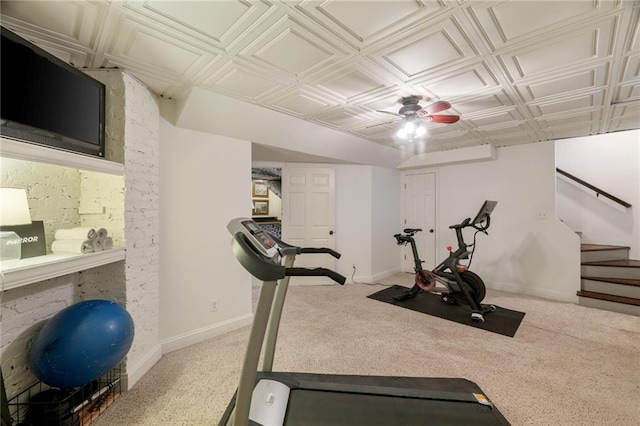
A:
484	212
259	238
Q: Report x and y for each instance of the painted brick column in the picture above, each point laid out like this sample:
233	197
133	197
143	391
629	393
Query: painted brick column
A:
133	120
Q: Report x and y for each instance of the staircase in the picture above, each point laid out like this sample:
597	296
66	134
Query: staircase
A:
610	280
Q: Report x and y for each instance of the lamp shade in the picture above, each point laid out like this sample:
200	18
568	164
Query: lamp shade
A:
14	208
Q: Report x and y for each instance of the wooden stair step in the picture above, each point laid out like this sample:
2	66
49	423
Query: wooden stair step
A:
609	297
623	281
593	247
628	263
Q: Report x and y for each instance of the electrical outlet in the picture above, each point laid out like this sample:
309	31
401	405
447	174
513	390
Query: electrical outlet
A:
214	305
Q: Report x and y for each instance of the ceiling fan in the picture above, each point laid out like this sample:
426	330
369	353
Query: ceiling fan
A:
414	115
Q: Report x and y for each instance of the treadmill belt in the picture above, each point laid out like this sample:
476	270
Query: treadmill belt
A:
322	408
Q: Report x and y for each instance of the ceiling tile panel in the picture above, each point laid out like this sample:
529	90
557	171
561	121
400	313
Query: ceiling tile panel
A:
631	68
291	47
300	104
148	48
351	84
340	118
60	18
563	85
387	101
498	118
425	54
567	105
278	52
427	49
507	22
627	92
625	117
221	23
213	19
379	15
586	122
461	83
578	49
383	18
241	82
74	25
154	50
481	104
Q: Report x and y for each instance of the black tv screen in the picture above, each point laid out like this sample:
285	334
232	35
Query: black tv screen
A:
47	101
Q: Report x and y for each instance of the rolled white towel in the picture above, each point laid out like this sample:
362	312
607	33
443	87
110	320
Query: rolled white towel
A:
72	246
76	234
97	244
107	243
102	233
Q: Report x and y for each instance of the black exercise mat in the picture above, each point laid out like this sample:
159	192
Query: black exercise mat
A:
502	321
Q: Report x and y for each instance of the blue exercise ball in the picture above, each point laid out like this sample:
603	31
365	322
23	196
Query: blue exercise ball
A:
81	343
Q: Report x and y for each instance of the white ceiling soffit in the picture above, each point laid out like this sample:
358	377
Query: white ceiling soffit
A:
515	71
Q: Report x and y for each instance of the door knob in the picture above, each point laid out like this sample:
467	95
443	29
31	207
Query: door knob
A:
431	231
330	232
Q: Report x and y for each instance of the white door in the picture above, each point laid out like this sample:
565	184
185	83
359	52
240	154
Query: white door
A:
308	216
419	212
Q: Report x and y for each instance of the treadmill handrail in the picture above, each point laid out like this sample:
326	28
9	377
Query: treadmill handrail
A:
315	272
286	249
321	250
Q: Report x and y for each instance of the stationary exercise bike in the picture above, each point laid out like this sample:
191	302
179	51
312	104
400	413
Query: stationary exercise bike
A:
461	285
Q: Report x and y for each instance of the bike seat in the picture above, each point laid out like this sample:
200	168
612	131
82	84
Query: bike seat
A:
411	230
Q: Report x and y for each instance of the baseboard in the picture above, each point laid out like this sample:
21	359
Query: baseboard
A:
545	294
384	274
204	333
372	279
139	369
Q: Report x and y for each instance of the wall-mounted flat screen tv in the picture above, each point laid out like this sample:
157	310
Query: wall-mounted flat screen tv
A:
47	101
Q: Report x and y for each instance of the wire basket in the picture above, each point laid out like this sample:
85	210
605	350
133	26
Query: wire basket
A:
42	405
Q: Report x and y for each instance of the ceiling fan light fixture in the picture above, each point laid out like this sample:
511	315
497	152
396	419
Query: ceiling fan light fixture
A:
411	129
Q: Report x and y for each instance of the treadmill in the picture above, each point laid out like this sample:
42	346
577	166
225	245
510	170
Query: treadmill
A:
268	398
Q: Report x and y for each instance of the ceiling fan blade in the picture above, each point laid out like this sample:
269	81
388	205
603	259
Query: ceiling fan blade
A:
392	113
444	119
436	107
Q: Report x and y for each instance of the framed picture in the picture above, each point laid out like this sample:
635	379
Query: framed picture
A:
260	189
260	208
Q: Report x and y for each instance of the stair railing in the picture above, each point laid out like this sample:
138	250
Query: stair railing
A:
595	189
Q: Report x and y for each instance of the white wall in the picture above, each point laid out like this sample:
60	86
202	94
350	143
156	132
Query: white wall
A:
201	190
354	221
612	163
522	253
385	207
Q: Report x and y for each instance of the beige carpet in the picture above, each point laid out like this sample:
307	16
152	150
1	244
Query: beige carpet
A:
566	365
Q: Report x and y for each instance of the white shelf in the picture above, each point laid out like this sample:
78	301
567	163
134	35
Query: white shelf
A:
18	150
41	268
